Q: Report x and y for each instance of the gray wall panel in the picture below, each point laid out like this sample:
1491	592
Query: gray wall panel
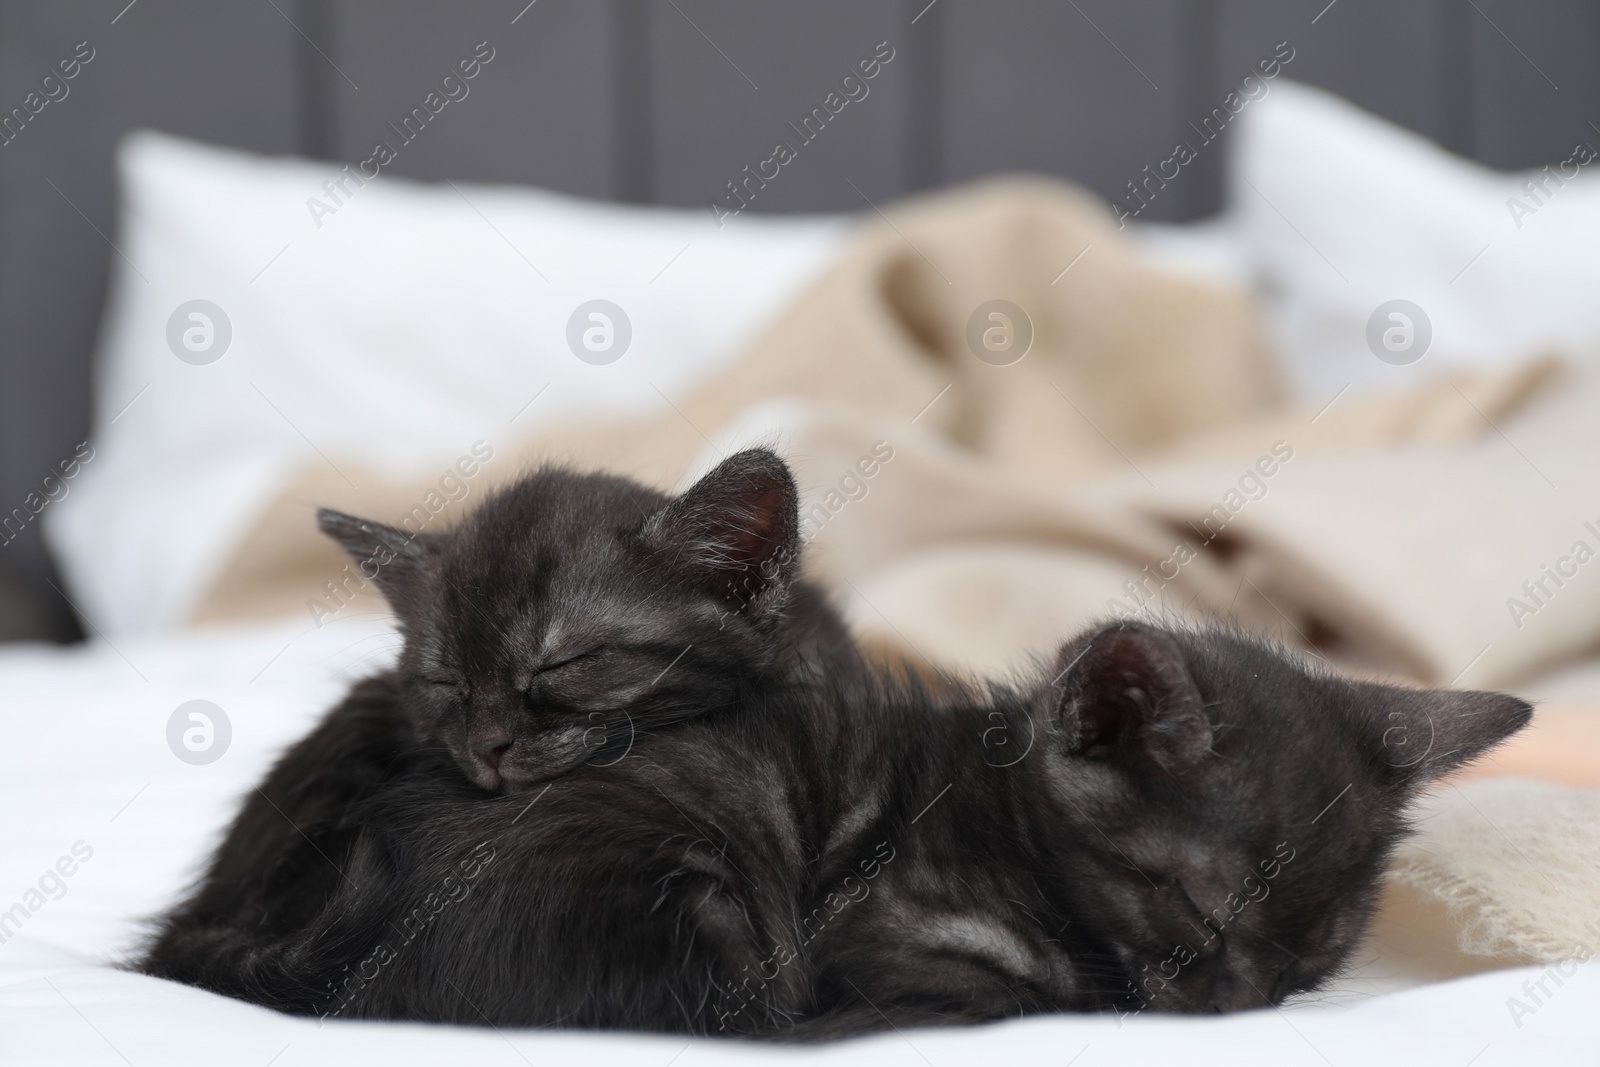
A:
1381	55
1386	57
1035	85
540	112
1538	84
730	76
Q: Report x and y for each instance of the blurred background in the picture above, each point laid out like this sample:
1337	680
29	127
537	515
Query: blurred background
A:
665	101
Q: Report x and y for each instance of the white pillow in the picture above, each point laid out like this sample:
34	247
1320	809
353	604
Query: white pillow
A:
387	324
1344	212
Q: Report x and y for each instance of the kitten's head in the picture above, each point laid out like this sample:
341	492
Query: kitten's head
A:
1238	809
571	612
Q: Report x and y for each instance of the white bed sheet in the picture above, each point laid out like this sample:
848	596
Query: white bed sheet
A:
86	760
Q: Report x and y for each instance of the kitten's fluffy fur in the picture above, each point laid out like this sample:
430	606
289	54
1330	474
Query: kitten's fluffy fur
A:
1163	819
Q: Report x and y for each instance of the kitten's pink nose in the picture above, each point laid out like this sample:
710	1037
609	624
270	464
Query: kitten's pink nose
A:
490	746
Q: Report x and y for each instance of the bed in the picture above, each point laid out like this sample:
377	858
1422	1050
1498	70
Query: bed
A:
267	317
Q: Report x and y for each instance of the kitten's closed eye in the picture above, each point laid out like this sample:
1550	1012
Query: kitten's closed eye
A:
568	661
1173	886
1181	891
1194	913
440	683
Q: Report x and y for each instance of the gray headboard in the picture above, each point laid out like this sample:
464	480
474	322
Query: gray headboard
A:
665	101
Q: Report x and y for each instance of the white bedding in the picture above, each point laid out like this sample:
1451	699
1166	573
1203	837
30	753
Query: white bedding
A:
87	763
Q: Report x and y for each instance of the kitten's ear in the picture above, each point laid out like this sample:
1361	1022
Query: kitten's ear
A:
737	530
1127	689
1428	733
391	557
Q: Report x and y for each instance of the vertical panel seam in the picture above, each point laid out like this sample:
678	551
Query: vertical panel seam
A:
315	118
632	118
1456	79
925	116
1199	64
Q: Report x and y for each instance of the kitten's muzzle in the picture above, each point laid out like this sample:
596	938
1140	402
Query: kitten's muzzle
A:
489	746
498	759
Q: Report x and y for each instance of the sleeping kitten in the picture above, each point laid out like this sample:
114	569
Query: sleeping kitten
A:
572	613
1167	820
565	620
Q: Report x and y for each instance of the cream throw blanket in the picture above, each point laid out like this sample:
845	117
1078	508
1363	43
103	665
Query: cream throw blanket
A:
1142	457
